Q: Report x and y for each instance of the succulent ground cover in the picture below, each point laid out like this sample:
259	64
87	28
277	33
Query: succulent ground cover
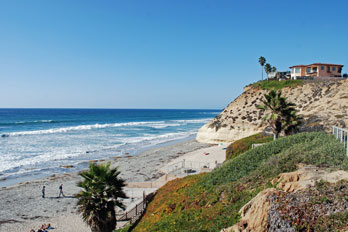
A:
210	202
323	207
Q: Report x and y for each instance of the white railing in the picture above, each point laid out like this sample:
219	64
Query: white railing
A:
342	135
186	165
176	166
256	145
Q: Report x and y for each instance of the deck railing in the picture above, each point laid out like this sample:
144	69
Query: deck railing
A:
342	135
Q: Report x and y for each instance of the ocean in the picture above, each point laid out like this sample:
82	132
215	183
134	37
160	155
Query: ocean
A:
35	143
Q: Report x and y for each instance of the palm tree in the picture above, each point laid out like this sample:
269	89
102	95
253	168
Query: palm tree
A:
268	69
262	61
273	69
100	194
281	113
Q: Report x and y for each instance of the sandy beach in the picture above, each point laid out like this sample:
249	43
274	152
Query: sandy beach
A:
23	208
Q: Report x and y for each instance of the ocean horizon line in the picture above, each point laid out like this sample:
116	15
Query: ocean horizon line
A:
82	108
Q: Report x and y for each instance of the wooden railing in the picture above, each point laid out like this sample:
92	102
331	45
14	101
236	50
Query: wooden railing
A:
134	214
342	135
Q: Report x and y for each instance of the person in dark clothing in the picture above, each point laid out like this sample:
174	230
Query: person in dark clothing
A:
61	191
43	191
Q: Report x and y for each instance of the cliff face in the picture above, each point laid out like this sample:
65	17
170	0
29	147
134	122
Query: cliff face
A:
323	104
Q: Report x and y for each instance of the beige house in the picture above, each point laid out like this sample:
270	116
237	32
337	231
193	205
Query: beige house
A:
316	70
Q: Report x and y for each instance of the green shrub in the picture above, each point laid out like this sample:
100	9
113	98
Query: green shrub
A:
276	85
211	202
238	147
310	148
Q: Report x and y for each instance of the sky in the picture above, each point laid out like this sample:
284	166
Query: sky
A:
182	54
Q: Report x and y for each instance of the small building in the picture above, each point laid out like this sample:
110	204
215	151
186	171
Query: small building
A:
280	75
316	70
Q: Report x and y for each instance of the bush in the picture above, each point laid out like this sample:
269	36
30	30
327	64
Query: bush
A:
277	85
238	147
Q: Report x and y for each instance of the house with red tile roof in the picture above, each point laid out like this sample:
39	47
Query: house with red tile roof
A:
316	70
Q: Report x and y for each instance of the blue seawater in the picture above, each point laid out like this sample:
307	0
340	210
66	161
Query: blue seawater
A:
39	142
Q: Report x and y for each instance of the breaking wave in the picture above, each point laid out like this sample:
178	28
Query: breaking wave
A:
153	124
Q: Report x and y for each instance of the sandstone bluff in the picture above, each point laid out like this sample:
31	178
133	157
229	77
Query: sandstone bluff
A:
322	104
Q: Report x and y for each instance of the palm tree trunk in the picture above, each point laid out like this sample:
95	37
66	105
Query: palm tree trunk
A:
262	72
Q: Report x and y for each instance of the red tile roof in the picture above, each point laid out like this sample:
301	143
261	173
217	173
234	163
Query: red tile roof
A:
327	64
301	65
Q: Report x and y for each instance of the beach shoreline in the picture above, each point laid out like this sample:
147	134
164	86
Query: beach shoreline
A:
23	208
71	169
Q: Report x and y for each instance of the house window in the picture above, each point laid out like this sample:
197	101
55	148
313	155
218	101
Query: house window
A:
308	69
297	70
322	67
292	70
333	68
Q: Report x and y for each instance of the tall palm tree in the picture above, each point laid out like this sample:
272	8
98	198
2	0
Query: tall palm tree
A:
262	61
100	194
281	113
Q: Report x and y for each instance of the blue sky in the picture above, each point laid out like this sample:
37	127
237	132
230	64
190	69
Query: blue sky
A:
157	53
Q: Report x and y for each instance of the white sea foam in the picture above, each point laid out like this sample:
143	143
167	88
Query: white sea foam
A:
155	139
213	113
164	125
203	120
74	152
36	121
12	162
29	154
154	124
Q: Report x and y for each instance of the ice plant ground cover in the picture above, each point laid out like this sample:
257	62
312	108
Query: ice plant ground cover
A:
210	202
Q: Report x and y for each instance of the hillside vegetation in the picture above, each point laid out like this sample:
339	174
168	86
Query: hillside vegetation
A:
210	202
242	145
277	85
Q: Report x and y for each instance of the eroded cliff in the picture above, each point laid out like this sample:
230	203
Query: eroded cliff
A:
323	104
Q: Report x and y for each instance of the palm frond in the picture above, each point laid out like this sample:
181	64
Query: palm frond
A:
101	192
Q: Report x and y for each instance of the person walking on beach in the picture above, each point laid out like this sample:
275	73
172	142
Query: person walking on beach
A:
61	190
43	191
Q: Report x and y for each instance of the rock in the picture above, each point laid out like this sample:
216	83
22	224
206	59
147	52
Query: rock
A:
254	214
66	166
306	177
